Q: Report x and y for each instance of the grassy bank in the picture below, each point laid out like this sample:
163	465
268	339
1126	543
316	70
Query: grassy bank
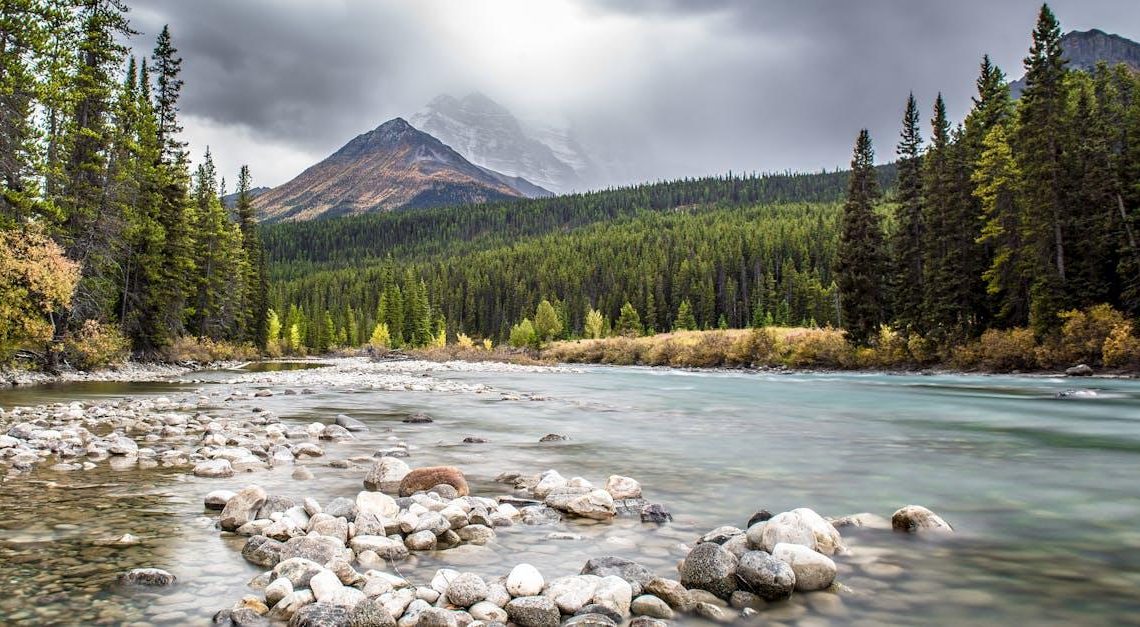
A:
1093	337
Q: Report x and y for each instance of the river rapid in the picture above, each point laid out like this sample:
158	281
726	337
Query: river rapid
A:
1040	484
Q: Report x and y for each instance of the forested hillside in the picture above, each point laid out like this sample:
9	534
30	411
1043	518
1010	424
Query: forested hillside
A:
738	249
110	242
1020	215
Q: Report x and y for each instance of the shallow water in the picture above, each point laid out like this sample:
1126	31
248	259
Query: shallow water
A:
1042	491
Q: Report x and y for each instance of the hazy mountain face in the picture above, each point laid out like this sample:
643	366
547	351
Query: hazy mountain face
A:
392	167
487	134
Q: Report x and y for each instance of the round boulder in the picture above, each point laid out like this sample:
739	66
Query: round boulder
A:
710	567
771	579
424	479
813	570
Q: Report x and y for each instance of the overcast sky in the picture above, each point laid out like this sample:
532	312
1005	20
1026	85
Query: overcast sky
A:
689	87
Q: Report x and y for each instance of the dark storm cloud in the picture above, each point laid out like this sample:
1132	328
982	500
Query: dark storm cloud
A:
687	87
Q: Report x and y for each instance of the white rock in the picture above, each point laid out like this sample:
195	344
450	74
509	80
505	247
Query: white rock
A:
548	482
525	581
325	584
377	503
573	592
813	570
799	526
621	487
277	590
615	593
488	612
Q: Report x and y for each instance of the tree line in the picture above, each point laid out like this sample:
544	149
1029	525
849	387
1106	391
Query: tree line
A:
1026	210
93	173
690	267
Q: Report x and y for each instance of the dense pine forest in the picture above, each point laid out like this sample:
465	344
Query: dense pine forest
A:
111	242
1021	216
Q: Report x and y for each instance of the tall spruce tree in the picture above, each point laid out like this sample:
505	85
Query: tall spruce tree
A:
1039	148
256	279
909	237
862	258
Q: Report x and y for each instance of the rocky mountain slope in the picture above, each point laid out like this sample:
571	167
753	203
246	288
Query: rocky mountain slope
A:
394	166
1084	49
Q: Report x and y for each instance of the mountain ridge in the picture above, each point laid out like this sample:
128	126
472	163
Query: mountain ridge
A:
1084	49
392	167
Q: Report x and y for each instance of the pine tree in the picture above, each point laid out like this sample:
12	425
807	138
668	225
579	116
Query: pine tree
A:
629	322
685	320
909	237
168	66
861	260
256	282
1038	148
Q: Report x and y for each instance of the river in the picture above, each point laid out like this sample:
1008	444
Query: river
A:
1042	491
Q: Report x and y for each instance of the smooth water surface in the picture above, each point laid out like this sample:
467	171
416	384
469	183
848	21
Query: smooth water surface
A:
1043	492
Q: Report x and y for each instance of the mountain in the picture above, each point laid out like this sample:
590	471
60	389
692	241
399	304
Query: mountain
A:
230	200
487	134
1084	49
392	167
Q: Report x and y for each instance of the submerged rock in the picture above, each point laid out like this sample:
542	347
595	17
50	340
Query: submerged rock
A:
351	424
655	513
553	437
147	577
915	518
418	418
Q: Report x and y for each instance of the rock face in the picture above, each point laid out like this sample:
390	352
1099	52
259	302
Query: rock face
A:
242	508
799	526
423	479
916	518
813	570
710	567
766	576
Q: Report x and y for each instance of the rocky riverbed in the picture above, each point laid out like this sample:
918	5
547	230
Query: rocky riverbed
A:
181	505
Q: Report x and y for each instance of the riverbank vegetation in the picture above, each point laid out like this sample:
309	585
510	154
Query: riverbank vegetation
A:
108	243
1099	337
